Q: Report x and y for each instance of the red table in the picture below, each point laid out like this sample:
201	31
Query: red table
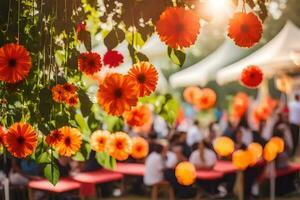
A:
208	175
63	185
225	167
130	169
89	180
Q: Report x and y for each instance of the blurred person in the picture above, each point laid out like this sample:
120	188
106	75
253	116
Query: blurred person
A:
203	158
155	165
174	157
294	118
160	126
186	149
194	134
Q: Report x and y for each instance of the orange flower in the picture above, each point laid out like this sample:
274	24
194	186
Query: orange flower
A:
240	104
54	138
89	63
251	76
140	148
137	116
15	63
190	94
2	136
146	76
70	142
70	88
117	94
58	93
245	29
185	173
72	100
119	146
206	99
99	139
21	140
241	159
224	146
178	27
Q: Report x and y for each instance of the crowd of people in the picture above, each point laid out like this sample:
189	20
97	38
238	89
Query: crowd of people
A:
193	143
189	141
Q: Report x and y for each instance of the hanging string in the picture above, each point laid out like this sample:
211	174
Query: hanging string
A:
18	22
8	17
244	7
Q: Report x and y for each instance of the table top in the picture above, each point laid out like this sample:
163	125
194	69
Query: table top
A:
130	169
225	167
63	185
208	174
96	177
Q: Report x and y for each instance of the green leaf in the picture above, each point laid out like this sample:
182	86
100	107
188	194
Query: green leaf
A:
93	123
114	123
85	103
176	56
113	38
43	158
106	160
85	36
51	172
170	110
78	157
141	57
82	124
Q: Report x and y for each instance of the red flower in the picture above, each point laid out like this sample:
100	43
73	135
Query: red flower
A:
15	63
113	58
178	27
2	136
245	29
89	63
251	76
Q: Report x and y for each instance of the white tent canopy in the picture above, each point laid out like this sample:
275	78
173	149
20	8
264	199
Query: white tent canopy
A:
274	57
204	71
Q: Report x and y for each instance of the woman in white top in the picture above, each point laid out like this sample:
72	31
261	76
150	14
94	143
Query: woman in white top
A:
154	166
203	158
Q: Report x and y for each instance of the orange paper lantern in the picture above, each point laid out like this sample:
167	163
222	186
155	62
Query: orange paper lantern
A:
224	146
279	143
270	151
241	159
185	173
255	149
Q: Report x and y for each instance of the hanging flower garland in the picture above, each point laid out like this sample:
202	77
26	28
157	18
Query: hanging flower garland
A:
42	76
252	76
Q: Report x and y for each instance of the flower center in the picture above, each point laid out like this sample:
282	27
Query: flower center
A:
12	62
139	148
244	28
68	141
252	75
118	93
179	28
141	78
91	62
20	140
119	145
